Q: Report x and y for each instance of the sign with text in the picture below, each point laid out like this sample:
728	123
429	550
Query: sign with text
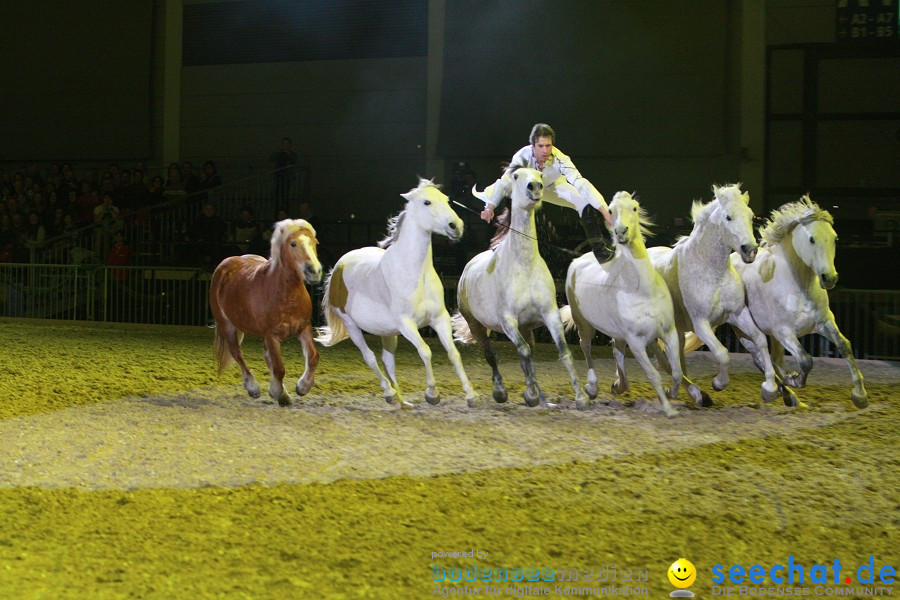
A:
867	21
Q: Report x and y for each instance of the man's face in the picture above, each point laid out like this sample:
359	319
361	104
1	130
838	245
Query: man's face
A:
543	147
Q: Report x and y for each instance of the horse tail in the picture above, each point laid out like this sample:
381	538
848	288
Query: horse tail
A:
334	330
691	342
462	333
566	314
221	353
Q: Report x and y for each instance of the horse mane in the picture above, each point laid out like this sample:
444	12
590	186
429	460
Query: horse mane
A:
782	220
700	210
282	232
394	225
502	226
396	222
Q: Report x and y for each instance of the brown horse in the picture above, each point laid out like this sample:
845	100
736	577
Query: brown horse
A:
267	298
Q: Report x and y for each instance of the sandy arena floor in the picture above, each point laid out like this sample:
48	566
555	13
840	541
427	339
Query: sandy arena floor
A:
128	470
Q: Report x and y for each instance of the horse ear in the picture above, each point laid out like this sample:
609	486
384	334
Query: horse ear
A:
746	198
407	196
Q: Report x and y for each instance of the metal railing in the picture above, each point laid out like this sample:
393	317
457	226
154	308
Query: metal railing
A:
166	295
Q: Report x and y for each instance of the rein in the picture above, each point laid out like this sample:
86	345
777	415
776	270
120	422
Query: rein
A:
496	222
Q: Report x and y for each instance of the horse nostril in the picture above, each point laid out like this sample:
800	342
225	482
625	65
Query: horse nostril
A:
452	225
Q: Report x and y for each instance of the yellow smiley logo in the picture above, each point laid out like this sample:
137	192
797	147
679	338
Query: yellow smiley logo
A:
682	573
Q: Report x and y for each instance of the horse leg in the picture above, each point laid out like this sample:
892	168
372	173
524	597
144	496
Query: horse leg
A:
700	397
356	336
705	332
858	394
671	339
444	329
410	331
776	353
620	385
770	387
553	322
528	335
479	332
789	341
276	370
234	338
311	355
389	357
511	329
586	334
639	350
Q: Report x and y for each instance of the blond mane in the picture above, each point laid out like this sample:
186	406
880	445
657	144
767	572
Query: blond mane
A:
784	219
283	231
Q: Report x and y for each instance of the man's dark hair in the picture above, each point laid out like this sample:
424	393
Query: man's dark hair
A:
542	130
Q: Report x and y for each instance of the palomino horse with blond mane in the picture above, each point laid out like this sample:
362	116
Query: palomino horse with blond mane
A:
509	288
268	298
626	299
786	288
707	291
394	290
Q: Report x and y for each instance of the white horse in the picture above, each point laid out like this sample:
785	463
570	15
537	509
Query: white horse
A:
625	299
707	291
509	288
393	289
786	288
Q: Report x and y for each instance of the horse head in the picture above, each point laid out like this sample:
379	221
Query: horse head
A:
813	239
294	247
430	209
527	187
735	218
629	219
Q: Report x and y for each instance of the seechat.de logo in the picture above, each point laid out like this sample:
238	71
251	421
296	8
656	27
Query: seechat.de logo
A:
796	573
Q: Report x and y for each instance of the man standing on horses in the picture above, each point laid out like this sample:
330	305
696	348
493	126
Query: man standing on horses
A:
563	186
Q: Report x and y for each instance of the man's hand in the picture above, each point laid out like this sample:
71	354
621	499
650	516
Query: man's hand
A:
488	213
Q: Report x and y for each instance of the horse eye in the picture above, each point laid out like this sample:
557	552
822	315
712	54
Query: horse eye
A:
812	240
634	209
428	203
293	244
727	217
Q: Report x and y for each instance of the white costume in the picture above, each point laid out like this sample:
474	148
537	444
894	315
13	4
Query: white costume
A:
563	184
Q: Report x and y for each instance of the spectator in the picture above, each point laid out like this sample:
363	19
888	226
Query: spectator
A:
106	215
285	160
246	230
306	212
156	193
175	183
210	176
189	178
119	255
206	237
34	235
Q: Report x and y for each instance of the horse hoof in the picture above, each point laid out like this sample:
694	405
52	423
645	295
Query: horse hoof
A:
532	400
591	390
768	396
433	400
670	412
253	393
859	400
718	385
583	404
303	390
391	399
789	397
500	396
472	402
705	400
618	389
284	400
